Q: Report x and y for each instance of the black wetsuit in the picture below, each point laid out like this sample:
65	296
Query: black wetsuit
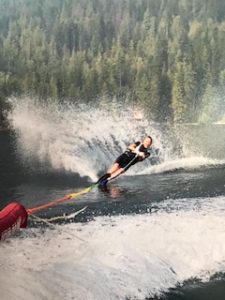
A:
124	159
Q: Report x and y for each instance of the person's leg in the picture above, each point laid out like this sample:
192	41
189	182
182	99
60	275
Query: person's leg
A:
121	169
117	168
103	177
116	173
114	168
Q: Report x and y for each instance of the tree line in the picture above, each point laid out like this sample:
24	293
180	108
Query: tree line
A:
166	56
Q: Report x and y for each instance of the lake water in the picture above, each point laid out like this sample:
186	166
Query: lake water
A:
158	232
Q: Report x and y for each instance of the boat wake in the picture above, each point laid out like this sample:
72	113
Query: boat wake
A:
121	257
188	163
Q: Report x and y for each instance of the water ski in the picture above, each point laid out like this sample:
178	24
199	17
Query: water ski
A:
102	184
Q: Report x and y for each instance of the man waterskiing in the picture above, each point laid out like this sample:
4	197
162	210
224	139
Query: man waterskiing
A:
134	153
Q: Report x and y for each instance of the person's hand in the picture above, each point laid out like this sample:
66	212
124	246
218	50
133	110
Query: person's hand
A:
136	151
141	154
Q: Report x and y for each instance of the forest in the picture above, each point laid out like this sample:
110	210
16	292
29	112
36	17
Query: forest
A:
165	56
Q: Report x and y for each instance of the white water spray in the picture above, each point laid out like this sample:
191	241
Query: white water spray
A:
87	140
79	139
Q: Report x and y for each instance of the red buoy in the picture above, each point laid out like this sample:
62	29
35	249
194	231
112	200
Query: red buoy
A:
12	217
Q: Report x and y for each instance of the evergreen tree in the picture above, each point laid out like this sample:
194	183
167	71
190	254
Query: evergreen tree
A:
166	54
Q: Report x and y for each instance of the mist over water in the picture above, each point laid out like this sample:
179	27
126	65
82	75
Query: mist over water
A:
86	140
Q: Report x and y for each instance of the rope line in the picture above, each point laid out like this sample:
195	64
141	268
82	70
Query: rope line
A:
57	227
60	200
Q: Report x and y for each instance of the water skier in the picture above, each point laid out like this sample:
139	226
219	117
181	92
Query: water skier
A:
135	153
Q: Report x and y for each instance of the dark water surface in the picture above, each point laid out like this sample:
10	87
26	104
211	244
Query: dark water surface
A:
185	207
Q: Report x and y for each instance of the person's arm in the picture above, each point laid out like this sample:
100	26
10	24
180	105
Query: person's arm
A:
147	154
132	147
143	155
